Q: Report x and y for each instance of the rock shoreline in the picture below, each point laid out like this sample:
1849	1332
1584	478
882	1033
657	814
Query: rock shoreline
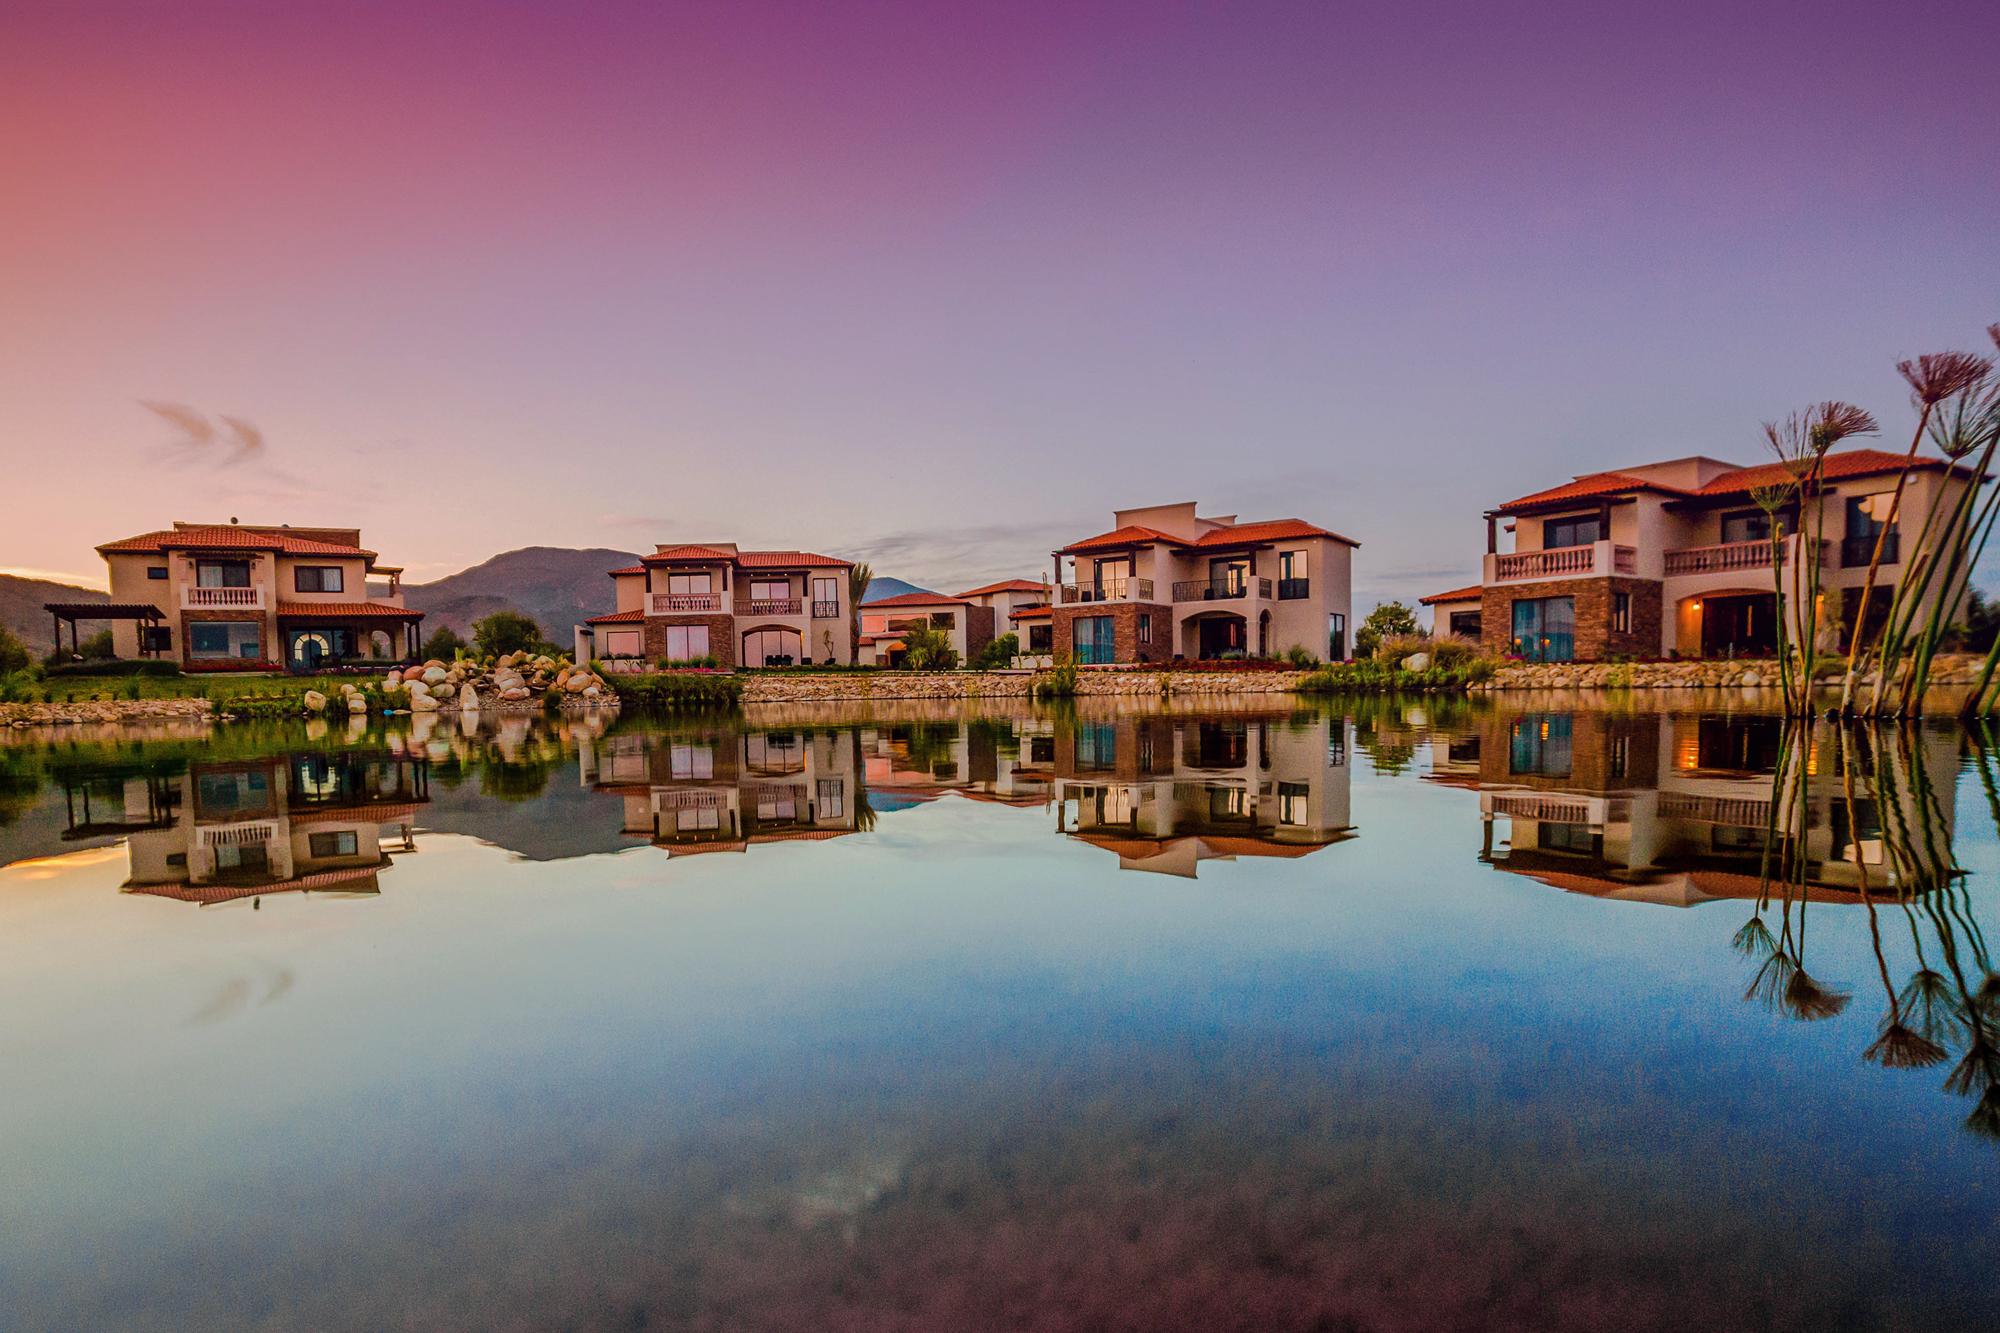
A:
895	685
88	711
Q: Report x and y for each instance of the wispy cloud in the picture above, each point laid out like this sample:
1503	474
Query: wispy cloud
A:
949	558
237	461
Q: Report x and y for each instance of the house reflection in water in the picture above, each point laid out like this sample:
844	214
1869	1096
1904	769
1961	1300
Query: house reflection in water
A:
1679	809
1005	762
306	822
1165	794
725	790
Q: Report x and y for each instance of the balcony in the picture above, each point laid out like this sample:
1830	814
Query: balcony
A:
222	599
768	606
1728	558
1294	590
826	610
1596	560
683	603
1211	590
1108	590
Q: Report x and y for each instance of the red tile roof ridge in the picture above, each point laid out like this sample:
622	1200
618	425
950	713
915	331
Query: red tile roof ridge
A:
1464	594
224	536
618	618
918	598
1269	529
1008	585
348	610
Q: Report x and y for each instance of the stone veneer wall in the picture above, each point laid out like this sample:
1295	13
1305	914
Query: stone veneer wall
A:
1595	639
1124	629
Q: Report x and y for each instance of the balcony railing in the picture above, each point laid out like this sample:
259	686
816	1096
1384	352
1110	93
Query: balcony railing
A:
223	599
1212	590
768	606
1294	590
1856	552
685	603
1109	590
1565	562
1729	557
826	610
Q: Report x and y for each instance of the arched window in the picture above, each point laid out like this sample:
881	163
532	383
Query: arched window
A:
772	647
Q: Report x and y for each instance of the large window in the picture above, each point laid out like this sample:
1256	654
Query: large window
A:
1112	578
1226	578
692	762
1545	629
1041	638
699	582
222	574
830	798
319	578
1096	746
687	642
1559	532
1094	640
771	647
826	596
624	643
343	843
1464	624
1867	516
214	639
1292	582
770	590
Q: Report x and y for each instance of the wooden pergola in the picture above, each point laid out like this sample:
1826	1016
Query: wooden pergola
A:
70	612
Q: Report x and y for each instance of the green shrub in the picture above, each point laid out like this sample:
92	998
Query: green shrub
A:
128	666
1301	656
674	692
927	648
14	655
703	663
999	653
1059	681
443	644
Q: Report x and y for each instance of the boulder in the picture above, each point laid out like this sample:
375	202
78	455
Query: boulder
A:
434	675
394	678
417	689
315	702
575	683
515	694
468	698
356	704
423	703
1417	662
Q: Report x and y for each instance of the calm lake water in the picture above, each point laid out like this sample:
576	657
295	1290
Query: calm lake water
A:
1396	1016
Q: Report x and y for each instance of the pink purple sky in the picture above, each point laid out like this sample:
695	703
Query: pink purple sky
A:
940	285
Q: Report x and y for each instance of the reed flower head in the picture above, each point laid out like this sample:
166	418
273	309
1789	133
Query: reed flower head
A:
1969	421
1987	997
1936	376
1808	1001
1900	1048
1828	423
1979	1069
1771	499
1772	978
1754	938
1985	1118
1930	1004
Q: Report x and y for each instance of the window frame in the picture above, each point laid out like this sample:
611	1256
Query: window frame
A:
320	575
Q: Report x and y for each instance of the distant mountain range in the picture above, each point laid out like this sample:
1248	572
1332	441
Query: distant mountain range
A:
556	586
21	609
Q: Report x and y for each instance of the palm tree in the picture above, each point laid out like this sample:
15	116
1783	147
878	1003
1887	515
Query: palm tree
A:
858	578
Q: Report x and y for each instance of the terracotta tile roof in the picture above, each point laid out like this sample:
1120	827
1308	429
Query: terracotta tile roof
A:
1836	467
347	611
629	569
1041	612
744	559
1587	487
1277	529
667	553
106	610
1010	585
633	617
1132	534
913	599
1468	594
789	560
226	537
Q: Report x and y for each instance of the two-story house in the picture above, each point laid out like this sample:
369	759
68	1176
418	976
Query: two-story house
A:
253	597
1166	584
710	600
966	625
1674	558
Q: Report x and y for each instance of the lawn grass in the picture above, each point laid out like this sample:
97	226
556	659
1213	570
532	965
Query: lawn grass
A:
224	689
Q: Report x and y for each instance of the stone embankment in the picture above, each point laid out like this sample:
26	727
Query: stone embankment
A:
1947	672
514	682
804	687
89	711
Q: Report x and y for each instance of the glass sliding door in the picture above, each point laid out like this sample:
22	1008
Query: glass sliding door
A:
1545	629
1094	640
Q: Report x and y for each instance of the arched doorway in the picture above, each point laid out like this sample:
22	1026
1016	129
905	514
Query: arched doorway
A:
772	645
1214	634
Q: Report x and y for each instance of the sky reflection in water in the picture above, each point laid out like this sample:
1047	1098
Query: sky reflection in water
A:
1413	1017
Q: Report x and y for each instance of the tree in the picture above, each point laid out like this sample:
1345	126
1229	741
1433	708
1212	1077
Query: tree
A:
858	578
1387	620
14	655
999	653
443	644
505	632
97	647
927	648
